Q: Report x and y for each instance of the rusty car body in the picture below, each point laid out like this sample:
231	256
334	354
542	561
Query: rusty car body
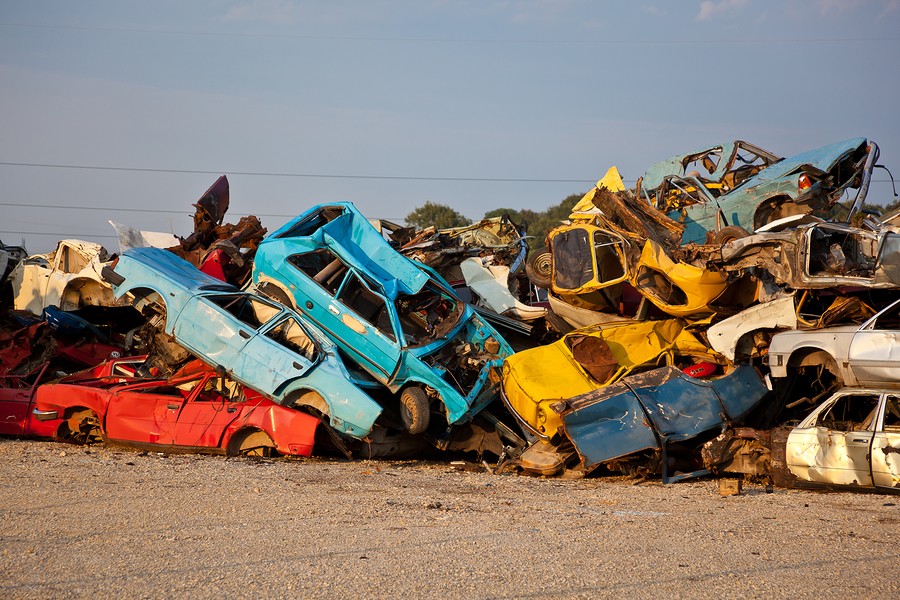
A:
819	254
851	439
812	181
196	410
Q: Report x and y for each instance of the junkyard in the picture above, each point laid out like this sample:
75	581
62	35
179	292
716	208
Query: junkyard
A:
757	364
494	299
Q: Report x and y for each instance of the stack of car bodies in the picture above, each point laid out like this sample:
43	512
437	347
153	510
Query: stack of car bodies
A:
681	246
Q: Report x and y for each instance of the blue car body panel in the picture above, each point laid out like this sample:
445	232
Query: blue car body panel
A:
251	354
392	361
644	411
738	206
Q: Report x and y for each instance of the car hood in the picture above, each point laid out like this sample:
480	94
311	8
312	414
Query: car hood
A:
823	159
179	271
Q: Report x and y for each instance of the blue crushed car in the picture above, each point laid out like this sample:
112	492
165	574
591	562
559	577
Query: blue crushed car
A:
396	319
652	412
743	187
260	343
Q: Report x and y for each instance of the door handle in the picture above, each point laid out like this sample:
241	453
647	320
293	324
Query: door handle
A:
859	440
243	334
173	406
231	409
297	365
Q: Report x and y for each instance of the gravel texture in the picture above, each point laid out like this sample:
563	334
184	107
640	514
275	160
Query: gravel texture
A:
108	522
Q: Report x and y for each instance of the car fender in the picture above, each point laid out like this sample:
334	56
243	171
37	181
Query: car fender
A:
292	431
65	398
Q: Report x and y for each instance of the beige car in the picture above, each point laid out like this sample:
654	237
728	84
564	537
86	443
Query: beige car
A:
68	277
853	439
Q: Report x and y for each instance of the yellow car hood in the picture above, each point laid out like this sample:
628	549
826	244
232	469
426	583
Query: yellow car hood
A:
679	289
534	379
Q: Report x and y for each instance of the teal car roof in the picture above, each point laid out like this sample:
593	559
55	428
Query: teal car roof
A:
353	238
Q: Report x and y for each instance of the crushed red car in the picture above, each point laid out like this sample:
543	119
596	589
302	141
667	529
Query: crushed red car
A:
196	410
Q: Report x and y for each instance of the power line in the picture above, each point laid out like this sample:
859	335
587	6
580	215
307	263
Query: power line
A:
61	235
135	210
307	175
507	41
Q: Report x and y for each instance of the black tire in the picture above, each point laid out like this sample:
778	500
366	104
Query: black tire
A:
539	267
730	233
415	411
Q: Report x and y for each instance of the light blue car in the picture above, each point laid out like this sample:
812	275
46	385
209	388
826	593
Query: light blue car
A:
741	187
395	318
261	343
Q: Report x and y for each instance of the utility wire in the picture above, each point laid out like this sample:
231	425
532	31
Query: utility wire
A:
570	42
312	175
308	175
63	235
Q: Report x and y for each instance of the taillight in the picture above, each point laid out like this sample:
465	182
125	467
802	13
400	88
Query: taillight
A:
804	183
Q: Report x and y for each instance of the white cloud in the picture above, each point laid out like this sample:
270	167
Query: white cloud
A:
652	9
710	8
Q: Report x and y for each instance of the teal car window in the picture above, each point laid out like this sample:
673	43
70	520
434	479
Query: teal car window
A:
248	309
321	266
367	304
290	333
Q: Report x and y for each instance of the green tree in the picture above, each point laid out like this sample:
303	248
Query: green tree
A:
438	215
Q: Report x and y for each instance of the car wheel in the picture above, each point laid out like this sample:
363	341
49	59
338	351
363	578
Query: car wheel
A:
539	267
728	234
82	427
414	410
257	444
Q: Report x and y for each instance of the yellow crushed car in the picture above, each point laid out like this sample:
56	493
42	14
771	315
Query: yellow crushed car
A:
589	358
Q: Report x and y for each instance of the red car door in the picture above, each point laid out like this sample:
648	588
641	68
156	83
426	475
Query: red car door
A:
206	413
16	403
145	413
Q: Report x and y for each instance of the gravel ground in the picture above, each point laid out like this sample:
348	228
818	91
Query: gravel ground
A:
109	522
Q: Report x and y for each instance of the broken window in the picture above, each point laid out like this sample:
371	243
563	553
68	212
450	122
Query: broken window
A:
572	259
322	266
889	257
427	315
70	261
660	287
313	222
246	308
891	415
366	304
840	253
290	333
889	320
850	412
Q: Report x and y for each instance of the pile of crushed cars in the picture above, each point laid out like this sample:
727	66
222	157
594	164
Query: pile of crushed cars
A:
735	314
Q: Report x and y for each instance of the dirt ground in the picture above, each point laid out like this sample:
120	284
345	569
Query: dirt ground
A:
109	522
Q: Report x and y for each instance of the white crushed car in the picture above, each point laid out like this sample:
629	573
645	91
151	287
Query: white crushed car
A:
69	277
857	355
852	439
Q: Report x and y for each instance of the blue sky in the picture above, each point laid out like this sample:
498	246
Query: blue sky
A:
474	104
